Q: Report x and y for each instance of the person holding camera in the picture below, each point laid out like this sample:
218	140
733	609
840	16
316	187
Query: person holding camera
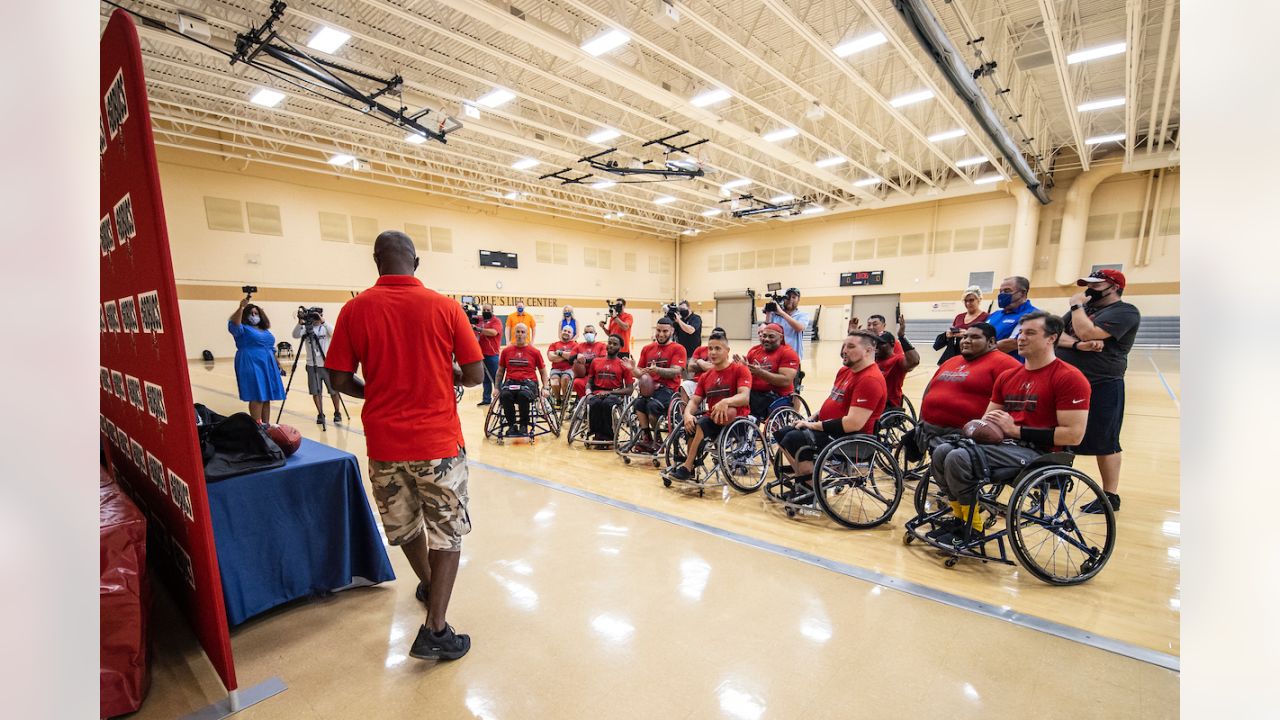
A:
518	369
786	313
688	326
521	317
619	323
257	370
949	341
488	330
312	320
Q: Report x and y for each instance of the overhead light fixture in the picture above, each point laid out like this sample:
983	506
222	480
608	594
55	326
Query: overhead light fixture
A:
328	40
948	135
608	216
813	210
604	42
735	184
603	135
711	212
665	199
976	160
988	179
815	111
780	134
710	97
414	138
690	231
496	97
266	97
513	195
471	111
911	98
857	45
524	163
1094	53
1100	139
1101	104
620	215
831	161
781	198
867	181
343	159
603	184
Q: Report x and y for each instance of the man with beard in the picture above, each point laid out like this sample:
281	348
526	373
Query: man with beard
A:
489	333
609	380
895	367
726	389
664	360
961	387
773	369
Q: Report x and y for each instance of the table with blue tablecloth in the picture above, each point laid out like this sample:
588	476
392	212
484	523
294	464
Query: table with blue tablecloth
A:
294	531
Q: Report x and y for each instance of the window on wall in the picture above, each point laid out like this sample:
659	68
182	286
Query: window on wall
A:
715	263
887	247
731	261
589	257
604	259
334	227
1170	221
1112	266
864	249
782	257
420	235
800	255
224	214
364	230
995	237
842	251
912	244
747	260
942	241
629	262
764	258
965	239
983	280
1101	227
264	219
1130	222
441	239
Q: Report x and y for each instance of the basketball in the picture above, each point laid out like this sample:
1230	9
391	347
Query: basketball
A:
579	368
286	436
646	385
983	432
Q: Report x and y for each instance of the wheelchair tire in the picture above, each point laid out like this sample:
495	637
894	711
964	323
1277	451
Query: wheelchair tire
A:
778	419
1049	533
928	496
493	420
549	415
910	409
855	493
803	410
743	456
677	449
457	393
891	428
626	428
578	423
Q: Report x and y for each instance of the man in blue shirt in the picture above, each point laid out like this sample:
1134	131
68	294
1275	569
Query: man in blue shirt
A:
1014	303
794	322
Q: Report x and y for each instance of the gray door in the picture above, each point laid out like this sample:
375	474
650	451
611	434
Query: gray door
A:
864	306
733	313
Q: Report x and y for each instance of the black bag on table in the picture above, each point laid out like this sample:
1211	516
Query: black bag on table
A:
234	445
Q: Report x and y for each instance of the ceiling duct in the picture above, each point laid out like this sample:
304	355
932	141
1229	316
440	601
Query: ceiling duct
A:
933	38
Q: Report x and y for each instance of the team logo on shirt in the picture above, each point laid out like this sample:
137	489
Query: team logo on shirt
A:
518	359
958	374
1024	400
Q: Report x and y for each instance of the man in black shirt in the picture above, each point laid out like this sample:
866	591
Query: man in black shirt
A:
688	328
1100	330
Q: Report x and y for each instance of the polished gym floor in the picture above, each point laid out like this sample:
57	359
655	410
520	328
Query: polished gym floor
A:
592	591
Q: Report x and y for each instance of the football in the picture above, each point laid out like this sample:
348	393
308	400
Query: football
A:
286	436
579	368
984	432
646	385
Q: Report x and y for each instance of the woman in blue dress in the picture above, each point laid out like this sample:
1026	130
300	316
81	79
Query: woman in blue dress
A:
257	370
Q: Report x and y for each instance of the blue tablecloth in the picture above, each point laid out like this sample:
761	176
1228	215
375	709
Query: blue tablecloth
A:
294	531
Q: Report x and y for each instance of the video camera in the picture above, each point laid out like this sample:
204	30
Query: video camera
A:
775	300
470	307
249	290
309	315
671	310
614	308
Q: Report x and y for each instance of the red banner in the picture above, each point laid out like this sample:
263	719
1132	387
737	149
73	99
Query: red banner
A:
147	415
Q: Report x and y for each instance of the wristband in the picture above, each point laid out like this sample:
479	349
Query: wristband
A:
834	428
906	344
1075	308
1075	345
1042	437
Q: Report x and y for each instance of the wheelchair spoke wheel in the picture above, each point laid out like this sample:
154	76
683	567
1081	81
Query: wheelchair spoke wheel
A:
744	459
858	482
1051	535
928	495
550	416
800	406
457	393
626	428
493	420
893	428
578	423
677	448
781	418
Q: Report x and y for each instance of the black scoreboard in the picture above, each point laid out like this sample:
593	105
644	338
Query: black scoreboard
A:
864	277
498	259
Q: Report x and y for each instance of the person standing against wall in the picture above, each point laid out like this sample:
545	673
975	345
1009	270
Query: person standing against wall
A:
518	317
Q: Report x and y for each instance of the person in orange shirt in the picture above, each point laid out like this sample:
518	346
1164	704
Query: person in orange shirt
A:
518	317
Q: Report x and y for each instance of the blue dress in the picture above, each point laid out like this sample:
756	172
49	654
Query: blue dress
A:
257	373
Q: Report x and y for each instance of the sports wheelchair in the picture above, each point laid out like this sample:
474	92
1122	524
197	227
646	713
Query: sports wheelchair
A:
543	420
627	431
580	422
857	479
737	456
1045	526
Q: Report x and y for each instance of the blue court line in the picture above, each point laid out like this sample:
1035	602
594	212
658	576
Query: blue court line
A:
1164	382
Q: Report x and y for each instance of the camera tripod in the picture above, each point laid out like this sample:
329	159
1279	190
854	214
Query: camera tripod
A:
309	341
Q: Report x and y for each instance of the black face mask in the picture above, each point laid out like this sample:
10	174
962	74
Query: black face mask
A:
486	314
1094	295
684	313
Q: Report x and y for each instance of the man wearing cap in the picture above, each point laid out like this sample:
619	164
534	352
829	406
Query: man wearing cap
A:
793	322
1014	302
1100	330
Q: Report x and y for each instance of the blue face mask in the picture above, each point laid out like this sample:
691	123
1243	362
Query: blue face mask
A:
589	337
1003	299
519	308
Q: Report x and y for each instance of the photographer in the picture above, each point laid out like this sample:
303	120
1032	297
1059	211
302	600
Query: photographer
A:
688	326
488	331
619	323
257	370
312	319
785	312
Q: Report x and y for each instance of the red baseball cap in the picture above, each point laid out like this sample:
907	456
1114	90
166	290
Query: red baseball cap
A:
1114	277
776	328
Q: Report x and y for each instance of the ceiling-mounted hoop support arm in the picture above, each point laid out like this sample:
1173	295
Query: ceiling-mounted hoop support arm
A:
763	207
564	178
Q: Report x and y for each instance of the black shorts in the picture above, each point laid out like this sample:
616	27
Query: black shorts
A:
759	403
526	390
802	444
655	405
710	428
1106	415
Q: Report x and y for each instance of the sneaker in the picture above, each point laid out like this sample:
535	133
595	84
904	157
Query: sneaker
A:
681	473
482	403
448	645
950	526
1094	507
421	593
320	419
337	418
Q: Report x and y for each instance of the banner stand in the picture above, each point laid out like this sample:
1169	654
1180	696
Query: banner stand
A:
238	700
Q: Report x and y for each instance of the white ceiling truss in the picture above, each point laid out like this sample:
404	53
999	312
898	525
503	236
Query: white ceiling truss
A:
776	58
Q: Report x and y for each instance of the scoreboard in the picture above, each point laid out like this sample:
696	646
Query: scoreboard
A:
862	277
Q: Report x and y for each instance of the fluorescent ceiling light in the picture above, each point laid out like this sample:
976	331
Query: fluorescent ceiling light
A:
524	163
831	161
496	97
1094	53
414	138
867	181
620	215
1101	104
911	98
603	135
978	160
266	97
328	40
603	184
813	210
663	200
690	231
857	45
781	199
343	159
471	111
735	183
1100	139
710	97
513	195
988	179
605	42
948	135
780	134
711	213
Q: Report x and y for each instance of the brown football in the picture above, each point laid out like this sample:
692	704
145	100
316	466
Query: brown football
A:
579	368
984	432
646	385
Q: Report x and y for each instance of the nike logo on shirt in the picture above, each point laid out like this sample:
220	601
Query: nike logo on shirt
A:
1077	402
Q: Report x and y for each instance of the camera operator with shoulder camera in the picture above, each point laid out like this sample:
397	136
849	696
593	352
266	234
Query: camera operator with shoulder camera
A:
785	311
619	323
688	326
311	321
488	330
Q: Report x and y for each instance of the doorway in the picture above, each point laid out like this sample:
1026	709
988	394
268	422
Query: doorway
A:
864	306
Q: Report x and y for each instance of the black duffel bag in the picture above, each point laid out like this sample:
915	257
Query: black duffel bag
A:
234	445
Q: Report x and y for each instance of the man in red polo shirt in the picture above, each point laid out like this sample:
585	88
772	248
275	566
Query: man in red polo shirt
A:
664	359
589	349
726	388
406	339
561	354
773	367
489	333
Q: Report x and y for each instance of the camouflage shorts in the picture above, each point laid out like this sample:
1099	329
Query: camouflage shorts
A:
412	492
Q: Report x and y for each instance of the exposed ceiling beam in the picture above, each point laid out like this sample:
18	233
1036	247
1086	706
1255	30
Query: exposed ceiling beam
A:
1053	31
1135	34
1162	56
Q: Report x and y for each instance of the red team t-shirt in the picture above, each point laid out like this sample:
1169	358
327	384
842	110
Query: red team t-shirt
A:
894	369
864	389
491	345
716	385
1034	397
569	345
671	355
961	389
614	329
608	373
521	363
783	357
702	352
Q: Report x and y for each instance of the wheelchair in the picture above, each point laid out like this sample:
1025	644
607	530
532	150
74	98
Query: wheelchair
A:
543	420
1045	528
738	457
457	394
627	430
579	429
858	482
782	413
897	429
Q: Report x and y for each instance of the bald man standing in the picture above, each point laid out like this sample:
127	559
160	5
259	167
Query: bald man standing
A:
415	345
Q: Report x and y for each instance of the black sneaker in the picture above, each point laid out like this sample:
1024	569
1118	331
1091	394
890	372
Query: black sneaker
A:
1094	507
320	419
421	593
448	645
681	473
950	526
337	418
482	403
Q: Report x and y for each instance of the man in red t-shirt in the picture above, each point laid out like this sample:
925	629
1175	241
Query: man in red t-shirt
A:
589	349
699	362
1042	407
961	387
619	323
726	389
773	367
664	359
561	355
489	333
895	367
519	368
855	404
610	381
407	339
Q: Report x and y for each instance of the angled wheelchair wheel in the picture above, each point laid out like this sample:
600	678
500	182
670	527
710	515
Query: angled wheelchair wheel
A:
777	420
1051	535
457	393
677	447
858	482
578	423
892	428
549	415
910	409
743	456
626	427
928	495
493	419
800	406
